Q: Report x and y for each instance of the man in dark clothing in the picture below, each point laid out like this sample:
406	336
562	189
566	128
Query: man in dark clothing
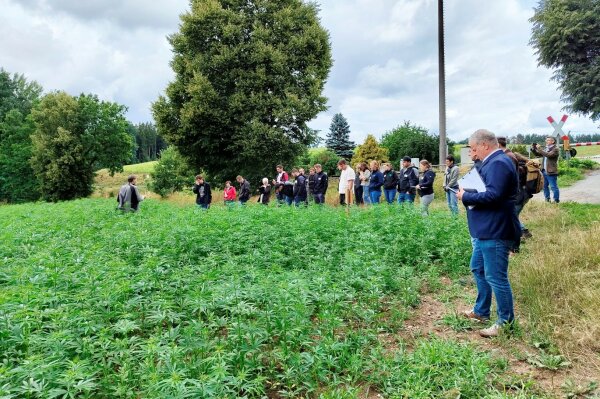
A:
321	183
129	197
409	178
203	193
494	228
244	192
299	191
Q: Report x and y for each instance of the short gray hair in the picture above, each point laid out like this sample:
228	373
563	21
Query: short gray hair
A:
484	136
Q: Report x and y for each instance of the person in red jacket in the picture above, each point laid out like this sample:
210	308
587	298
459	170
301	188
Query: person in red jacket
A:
229	194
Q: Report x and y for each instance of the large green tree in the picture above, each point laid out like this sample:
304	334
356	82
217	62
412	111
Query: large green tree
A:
74	136
249	75
566	36
17	97
338	137
413	141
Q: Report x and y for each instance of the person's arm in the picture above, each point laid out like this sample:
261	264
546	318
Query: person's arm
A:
325	180
552	154
196	188
499	182
139	196
208	192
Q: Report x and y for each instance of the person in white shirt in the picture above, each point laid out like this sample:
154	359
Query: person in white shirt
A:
346	186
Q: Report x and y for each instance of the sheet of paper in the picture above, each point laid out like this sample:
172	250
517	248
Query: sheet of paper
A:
472	181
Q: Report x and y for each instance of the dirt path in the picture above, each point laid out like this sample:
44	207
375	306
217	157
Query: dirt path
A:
585	191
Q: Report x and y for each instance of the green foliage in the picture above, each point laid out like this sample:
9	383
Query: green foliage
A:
519	148
566	40
171	173
369	151
413	141
324	156
73	137
147	141
338	138
248	77
17	97
173	302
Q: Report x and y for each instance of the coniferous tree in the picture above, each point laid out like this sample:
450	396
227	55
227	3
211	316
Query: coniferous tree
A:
338	138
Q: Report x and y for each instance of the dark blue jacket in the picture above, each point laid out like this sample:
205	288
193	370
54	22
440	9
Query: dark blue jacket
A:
376	181
426	183
492	214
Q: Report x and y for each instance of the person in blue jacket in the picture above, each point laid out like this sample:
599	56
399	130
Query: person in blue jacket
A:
494	228
375	183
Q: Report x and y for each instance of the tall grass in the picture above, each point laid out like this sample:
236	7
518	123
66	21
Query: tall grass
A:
557	276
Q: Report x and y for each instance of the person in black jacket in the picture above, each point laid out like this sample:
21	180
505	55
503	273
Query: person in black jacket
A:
244	192
390	181
321	183
409	179
299	187
203	193
425	186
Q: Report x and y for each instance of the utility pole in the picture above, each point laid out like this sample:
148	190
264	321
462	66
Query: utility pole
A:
442	83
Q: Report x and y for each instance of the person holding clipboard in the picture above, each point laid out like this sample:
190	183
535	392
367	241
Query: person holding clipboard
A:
489	194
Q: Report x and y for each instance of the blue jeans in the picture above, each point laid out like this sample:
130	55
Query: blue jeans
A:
203	206
299	201
551	180
489	264
390	195
366	195
319	198
288	200
375	196
452	202
406	197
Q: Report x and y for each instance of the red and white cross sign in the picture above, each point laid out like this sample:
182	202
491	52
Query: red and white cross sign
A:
558	132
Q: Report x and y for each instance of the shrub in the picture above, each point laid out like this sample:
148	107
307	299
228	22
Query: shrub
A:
171	173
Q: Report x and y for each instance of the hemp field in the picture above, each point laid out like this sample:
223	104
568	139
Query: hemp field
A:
256	302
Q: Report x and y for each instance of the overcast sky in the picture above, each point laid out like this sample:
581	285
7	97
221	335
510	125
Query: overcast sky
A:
384	72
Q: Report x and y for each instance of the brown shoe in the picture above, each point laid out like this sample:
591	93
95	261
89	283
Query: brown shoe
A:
471	315
490	332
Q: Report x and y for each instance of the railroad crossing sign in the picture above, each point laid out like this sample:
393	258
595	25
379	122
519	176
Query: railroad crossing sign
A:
558	132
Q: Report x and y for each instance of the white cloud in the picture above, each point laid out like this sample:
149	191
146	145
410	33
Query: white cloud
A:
385	60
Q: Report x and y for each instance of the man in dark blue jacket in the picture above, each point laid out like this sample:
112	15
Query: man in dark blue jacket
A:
203	193
494	228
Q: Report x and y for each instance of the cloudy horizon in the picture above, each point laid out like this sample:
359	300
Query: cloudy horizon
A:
384	72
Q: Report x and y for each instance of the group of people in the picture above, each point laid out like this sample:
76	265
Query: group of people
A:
492	214
364	186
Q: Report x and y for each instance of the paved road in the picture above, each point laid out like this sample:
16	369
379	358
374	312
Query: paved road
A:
585	191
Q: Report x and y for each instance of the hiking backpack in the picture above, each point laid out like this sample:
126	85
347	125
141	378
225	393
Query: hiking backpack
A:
532	172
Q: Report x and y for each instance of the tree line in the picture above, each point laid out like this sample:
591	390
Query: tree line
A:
52	144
